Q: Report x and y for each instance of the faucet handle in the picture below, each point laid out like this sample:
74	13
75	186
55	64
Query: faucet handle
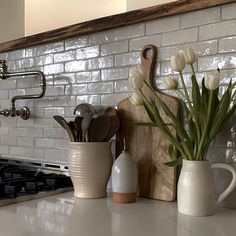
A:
3	69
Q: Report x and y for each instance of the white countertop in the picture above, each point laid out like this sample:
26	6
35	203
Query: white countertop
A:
63	215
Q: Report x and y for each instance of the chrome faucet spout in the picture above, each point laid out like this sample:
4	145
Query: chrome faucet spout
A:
24	111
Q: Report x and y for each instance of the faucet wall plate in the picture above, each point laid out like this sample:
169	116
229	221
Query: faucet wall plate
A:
24	113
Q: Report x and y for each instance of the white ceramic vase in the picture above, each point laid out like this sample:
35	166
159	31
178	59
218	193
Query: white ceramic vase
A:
124	179
196	193
90	166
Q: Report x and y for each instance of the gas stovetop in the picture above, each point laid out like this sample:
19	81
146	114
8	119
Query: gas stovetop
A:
22	183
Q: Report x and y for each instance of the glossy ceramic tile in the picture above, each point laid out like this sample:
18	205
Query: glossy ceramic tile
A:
76	43
180	36
138	43
201	17
163	25
227	28
64	56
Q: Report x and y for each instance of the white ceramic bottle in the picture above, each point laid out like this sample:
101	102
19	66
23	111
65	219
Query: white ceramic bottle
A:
124	179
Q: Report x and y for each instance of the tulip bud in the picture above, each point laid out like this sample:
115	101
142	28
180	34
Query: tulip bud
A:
189	55
177	62
137	77
171	83
136	99
212	80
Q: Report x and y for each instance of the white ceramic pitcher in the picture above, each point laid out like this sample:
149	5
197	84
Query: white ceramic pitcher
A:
196	193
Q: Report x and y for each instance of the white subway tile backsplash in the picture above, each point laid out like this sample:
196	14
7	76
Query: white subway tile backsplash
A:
138	43
180	36
78	89
227	44
115	48
26	132
55	155
44	102
100	63
44	143
54	69
24	63
76	43
10	141
203	48
49	48
92	99
201	17
228	11
129	32
53	133
64	56
25	142
127	59
51	111
217	30
44	122
88	52
3	94
3	130
95	69
65	78
122	86
86	77
54	91
115	74
227	61
14	55
163	25
65	101
113	99
43	60
8	84
4	149
102	37
75	66
100	88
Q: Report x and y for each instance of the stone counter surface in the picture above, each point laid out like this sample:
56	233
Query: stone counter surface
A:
64	215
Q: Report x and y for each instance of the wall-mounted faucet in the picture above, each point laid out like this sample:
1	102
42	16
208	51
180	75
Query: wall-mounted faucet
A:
23	112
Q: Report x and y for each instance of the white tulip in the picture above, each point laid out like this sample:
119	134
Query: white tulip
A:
136	99
171	83
177	62
137	76
189	55
212	80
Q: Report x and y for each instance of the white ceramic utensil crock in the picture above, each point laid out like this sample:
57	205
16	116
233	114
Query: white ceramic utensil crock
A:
196	193
90	166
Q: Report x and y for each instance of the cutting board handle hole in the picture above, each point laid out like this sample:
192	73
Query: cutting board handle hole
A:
147	53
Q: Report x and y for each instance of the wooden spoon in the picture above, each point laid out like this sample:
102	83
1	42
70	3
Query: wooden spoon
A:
99	128
85	125
77	123
114	121
61	121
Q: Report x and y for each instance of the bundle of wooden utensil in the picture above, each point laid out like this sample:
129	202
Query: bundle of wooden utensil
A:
90	124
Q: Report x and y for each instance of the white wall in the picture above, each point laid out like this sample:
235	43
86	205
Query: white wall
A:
137	4
44	15
11	19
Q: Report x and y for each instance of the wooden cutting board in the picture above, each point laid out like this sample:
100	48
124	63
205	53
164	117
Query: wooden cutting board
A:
148	146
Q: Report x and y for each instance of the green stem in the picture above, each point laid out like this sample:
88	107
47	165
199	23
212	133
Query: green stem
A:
204	134
185	90
193	71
